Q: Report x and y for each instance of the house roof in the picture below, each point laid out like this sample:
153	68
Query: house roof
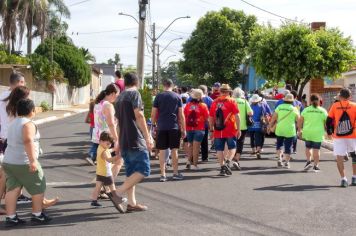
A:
106	68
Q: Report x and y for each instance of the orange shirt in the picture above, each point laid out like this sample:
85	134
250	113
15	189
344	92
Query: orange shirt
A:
230	110
202	114
336	111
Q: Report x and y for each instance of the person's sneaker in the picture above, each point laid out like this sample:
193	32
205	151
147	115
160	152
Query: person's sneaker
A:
227	163
308	165
169	162
90	161
178	176
96	204
41	219
279	164
316	169
187	166
103	196
236	165
286	164
205	160
13	221
136	208
344	183
227	169
22	199
353	181
117	201
258	155
196	168
222	172
163	178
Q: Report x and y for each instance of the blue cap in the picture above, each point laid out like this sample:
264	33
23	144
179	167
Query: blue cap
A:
217	85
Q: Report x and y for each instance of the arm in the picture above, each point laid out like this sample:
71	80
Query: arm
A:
181	119
28	134
109	112
87	119
141	123
154	115
273	119
107	157
237	116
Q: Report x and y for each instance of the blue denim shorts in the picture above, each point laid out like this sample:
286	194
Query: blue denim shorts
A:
312	145
220	143
195	135
136	161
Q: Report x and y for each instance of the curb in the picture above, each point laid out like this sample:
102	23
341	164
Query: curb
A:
54	118
328	145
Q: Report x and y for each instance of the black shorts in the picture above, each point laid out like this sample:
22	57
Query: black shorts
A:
106	180
168	139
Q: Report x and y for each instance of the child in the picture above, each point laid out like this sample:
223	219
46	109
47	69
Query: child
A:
90	120
103	173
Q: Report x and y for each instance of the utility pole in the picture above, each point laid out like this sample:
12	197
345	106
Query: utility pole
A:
158	67
141	41
154	84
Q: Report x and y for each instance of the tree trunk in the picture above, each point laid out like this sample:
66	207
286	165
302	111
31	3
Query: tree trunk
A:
29	35
302	85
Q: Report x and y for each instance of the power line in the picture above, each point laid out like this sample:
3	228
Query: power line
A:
104	31
77	3
269	12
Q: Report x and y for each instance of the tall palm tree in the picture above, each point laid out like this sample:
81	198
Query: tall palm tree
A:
8	30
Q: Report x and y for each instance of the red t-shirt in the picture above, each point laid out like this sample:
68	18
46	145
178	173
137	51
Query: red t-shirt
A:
202	114
229	108
215	95
91	117
121	84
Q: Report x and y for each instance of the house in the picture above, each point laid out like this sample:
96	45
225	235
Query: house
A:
96	81
108	75
348	79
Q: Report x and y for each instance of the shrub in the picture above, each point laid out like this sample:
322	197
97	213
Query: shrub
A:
45	106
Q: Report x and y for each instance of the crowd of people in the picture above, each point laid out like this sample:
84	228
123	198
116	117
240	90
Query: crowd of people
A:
188	117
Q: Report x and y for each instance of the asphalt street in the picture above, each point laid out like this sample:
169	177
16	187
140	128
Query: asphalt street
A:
259	200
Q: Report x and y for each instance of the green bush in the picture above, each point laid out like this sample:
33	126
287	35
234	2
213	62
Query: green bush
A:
42	69
12	59
45	106
146	95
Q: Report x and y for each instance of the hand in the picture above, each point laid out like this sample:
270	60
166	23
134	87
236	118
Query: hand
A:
33	167
299	134
183	134
238	134
149	144
329	137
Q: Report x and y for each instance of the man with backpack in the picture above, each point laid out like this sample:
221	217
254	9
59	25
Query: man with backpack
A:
225	124
341	124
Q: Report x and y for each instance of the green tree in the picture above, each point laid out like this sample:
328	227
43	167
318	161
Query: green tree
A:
43	69
89	58
69	58
296	54
171	72
115	60
217	46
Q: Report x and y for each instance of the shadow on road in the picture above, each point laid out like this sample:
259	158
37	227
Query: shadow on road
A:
295	188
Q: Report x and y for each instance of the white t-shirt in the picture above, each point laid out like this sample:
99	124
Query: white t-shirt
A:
4	118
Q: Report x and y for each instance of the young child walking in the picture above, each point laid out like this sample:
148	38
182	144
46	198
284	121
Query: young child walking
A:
104	176
90	120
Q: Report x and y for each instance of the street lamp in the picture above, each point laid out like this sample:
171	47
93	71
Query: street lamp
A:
160	53
168	58
182	17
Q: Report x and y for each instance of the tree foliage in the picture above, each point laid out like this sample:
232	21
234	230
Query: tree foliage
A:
115	60
69	58
296	54
217	46
43	69
171	72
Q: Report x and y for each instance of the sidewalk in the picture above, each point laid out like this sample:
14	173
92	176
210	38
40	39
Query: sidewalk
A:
48	116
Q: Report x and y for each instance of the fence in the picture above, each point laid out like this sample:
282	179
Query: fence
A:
328	97
37	97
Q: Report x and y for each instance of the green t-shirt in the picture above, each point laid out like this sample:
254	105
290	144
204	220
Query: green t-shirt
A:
286	123
314	123
244	108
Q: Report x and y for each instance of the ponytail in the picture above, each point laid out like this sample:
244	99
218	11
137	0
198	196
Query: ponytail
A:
315	100
111	88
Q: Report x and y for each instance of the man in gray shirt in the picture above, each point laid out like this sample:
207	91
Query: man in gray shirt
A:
134	140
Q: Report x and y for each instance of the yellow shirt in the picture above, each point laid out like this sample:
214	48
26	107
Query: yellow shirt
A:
103	167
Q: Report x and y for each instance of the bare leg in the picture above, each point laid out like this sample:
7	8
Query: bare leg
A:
190	153
2	187
162	162
131	196
49	202
340	166
308	153
116	167
130	182
11	201
196	148
221	159
96	191
37	201
316	156
174	155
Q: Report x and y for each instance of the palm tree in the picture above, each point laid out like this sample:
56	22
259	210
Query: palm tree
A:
8	30
89	58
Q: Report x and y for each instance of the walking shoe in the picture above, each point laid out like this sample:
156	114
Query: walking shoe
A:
236	165
196	168
205	160
227	169
22	199
169	162
222	172
344	183
308	165
136	208
258	155
103	196
163	178
178	176
41	219
279	163
316	169
353	181
13	221
187	166
286	164
227	163
96	204
90	161
117	201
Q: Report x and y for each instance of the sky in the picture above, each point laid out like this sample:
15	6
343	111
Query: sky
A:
91	17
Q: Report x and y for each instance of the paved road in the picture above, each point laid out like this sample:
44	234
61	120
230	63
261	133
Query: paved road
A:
259	200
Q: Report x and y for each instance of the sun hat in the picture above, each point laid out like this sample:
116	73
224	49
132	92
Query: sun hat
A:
238	93
225	88
288	98
255	98
196	94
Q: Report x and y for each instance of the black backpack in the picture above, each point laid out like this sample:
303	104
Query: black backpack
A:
192	119
219	117
344	127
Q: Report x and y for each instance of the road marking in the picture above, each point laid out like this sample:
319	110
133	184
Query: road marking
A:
67	114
